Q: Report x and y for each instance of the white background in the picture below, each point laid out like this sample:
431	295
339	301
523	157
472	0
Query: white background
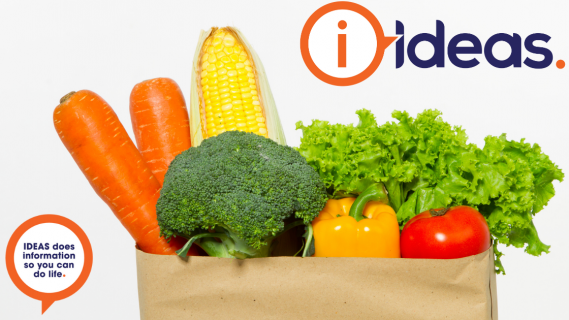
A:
49	48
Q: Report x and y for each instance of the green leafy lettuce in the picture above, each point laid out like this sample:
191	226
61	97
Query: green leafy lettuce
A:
426	163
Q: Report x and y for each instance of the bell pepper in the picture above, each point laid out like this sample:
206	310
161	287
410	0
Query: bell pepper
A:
365	226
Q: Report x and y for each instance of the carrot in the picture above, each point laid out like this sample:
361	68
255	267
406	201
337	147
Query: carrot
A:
99	144
160	123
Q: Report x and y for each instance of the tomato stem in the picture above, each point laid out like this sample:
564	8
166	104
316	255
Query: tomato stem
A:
439	212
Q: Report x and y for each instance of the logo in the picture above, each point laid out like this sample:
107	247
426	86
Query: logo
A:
458	47
474	47
382	43
49	258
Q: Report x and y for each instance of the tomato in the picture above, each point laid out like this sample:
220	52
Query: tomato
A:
445	234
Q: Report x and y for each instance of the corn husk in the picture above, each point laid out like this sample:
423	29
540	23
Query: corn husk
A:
197	121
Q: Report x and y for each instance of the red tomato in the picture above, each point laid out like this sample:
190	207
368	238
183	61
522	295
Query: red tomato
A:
456	233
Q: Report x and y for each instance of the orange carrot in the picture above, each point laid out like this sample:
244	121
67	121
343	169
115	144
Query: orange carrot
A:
99	144
160	123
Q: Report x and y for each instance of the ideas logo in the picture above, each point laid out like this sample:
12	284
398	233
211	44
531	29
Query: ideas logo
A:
382	43
461	44
438	42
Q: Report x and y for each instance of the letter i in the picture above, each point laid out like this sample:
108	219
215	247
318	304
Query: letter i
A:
399	45
342	45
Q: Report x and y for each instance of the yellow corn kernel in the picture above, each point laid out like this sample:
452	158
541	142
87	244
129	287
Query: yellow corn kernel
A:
228	87
206	45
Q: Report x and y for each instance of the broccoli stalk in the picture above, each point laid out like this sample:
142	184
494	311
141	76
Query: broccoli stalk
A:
231	194
224	243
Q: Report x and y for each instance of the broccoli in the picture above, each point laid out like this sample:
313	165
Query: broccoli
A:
231	194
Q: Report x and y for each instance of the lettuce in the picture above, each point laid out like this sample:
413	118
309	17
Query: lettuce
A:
426	163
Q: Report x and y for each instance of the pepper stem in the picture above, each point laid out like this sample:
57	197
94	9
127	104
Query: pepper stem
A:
375	192
438	212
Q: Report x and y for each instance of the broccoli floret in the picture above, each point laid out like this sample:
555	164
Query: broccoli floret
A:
237	187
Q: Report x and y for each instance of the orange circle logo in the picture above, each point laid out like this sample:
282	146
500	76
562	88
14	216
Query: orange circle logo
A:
48	298
382	43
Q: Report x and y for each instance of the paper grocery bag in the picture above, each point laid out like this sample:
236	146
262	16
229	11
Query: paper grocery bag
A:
170	287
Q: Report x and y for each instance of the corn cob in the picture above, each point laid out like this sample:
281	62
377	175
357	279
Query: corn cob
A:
229	89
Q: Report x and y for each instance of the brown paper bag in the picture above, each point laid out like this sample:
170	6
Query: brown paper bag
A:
170	287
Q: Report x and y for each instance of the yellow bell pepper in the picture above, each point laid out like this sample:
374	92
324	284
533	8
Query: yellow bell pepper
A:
364	229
